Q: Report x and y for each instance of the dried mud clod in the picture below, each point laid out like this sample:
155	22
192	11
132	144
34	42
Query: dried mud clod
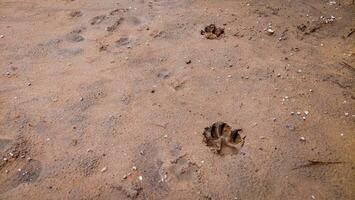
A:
212	32
222	139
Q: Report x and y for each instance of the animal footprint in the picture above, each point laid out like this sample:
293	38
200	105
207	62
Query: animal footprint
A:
222	139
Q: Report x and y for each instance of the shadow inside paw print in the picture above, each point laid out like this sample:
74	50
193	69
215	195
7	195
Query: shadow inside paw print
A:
222	139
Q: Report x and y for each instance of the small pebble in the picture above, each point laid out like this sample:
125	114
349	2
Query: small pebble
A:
2	36
306	112
292	113
140	178
229	76
104	169
304	118
299	71
302	139
342	134
310	90
134	168
313	197
346	114
298	113
19	169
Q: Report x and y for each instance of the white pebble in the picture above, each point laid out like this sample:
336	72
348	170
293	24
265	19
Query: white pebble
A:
302	139
346	114
306	112
140	178
104	169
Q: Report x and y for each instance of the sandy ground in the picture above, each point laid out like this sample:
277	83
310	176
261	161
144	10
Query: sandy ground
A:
108	99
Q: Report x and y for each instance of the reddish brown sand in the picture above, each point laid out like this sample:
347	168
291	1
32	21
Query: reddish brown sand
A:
109	99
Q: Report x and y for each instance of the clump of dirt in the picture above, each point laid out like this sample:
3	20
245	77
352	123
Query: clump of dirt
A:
115	25
97	19
122	41
311	27
212	32
222	139
89	165
75	13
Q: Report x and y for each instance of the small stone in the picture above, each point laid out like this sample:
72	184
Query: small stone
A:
341	134
302	139
274	119
165	136
134	168
278	75
299	71
202	161
29	159
19	169
313	197
292	113
188	62
81	99
310	90
103	169
286	97
270	31
28	84
5	159
140	178
346	114
2	36
229	76
298	113
304	118
306	112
